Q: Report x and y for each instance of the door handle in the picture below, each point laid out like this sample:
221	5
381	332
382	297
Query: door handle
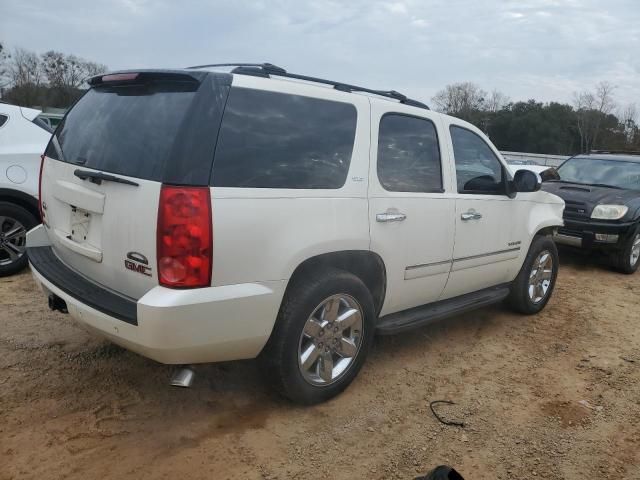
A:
390	217
471	215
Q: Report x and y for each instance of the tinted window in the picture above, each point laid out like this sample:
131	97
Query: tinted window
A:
276	140
408	155
478	170
126	130
3	119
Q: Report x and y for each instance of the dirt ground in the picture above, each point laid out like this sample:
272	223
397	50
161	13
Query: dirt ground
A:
552	396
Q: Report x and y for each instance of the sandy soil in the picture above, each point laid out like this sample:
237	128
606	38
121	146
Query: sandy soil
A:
75	406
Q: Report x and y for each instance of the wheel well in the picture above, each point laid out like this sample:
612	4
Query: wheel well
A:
545	232
365	265
21	199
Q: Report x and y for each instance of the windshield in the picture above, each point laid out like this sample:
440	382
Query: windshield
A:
599	171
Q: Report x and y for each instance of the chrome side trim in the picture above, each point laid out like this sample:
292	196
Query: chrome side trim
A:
436	268
427	269
411	267
499	252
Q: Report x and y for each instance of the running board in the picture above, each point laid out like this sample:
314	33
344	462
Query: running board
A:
425	314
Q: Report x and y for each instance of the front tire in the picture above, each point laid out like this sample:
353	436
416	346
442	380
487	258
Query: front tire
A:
15	222
321	338
534	285
628	259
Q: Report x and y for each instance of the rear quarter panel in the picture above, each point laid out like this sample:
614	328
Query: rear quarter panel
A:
263	234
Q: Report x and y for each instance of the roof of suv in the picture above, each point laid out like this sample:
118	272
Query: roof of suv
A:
268	70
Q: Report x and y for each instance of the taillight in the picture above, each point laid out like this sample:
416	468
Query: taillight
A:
184	237
119	77
40	189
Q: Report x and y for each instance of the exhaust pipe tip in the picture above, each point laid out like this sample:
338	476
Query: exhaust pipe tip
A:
183	377
57	304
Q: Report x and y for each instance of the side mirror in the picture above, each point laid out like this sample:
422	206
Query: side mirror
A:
526	181
549	174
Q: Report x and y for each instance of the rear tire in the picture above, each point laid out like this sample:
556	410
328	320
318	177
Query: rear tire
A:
321	338
532	288
15	222
628	259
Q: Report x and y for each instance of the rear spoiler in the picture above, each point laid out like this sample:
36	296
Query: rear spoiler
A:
132	77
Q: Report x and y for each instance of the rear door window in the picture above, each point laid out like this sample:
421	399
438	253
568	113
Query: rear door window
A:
408	155
3	120
278	140
126	130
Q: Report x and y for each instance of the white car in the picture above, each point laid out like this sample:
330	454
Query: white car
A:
23	139
514	167
199	216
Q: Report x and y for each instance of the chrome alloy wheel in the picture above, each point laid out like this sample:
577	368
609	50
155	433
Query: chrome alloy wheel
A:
635	250
13	240
540	277
330	340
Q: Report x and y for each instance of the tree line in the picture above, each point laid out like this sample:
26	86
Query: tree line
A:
51	79
593	121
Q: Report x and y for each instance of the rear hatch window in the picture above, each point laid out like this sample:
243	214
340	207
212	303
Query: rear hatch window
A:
140	129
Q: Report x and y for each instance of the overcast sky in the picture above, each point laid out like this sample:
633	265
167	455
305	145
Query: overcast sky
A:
543	49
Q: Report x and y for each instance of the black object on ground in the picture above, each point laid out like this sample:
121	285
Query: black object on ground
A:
442	472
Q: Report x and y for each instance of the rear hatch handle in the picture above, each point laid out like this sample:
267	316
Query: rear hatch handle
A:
98	177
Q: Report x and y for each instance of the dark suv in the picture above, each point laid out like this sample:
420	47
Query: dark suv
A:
601	191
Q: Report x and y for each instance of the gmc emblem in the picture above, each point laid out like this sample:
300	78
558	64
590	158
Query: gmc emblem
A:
136	262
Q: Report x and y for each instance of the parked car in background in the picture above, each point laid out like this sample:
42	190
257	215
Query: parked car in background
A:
602	195
221	216
23	139
52	120
514	166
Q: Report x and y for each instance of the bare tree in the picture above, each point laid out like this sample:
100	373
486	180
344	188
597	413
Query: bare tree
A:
604	105
63	71
628	116
53	78
591	109
583	102
68	71
4	68
25	68
91	69
496	101
460	99
629	113
54	66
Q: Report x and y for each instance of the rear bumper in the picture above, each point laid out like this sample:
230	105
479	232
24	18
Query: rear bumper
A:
179	326
594	234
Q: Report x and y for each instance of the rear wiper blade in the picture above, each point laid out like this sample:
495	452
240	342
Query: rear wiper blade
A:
98	177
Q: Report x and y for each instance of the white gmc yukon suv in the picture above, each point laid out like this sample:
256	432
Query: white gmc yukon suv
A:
200	216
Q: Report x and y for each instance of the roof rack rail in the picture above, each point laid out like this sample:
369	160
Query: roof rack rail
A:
265	66
617	152
268	69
